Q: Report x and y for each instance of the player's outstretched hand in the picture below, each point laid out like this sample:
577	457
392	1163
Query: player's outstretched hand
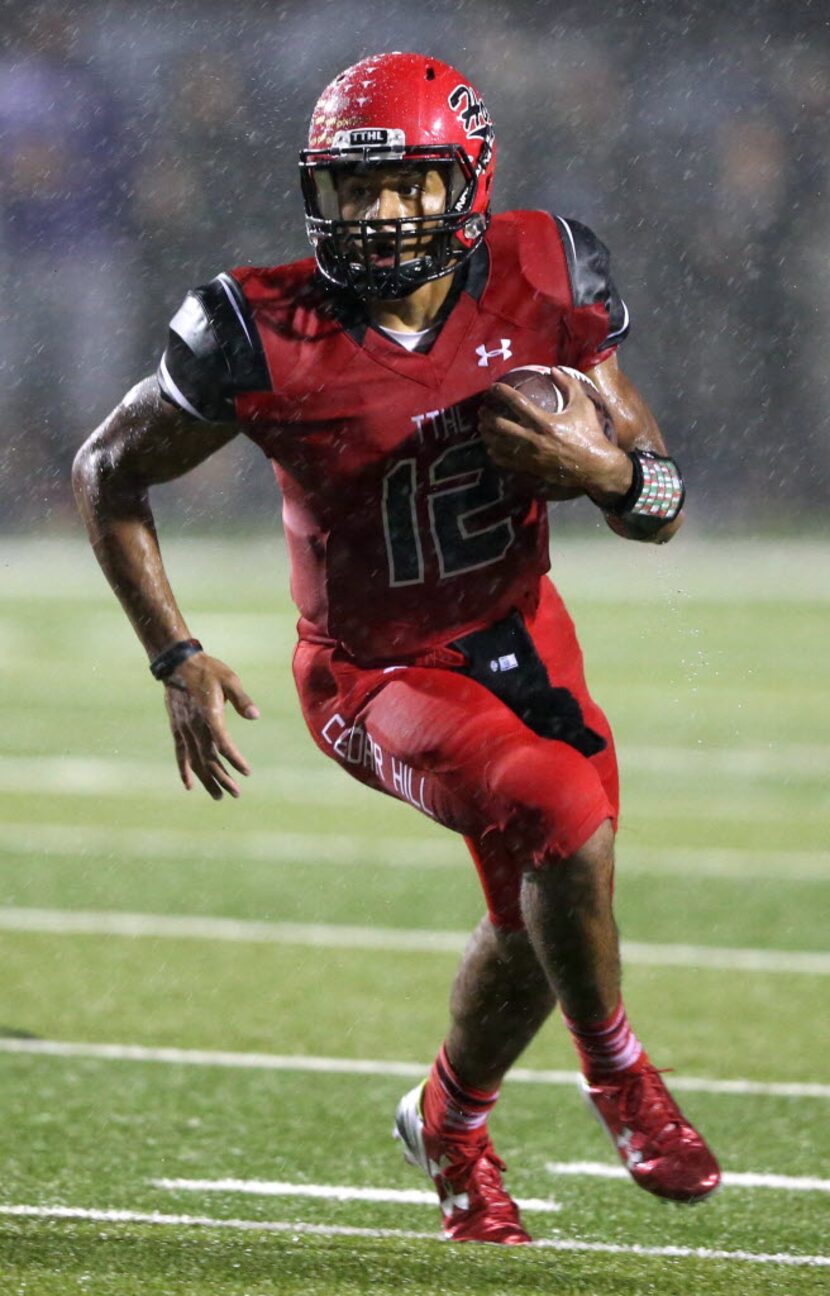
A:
195	696
567	451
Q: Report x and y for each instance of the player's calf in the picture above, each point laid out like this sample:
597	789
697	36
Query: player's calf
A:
568	911
500	998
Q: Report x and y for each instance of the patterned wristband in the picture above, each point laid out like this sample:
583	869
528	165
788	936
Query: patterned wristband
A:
655	497
162	667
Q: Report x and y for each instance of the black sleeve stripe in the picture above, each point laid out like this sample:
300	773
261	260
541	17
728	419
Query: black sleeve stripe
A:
226	281
236	334
589	268
194	372
213	352
621	321
570	248
173	393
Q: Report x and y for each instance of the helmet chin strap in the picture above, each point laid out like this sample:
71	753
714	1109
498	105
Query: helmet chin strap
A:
393	282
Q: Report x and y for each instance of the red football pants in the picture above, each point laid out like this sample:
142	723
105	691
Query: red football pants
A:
446	745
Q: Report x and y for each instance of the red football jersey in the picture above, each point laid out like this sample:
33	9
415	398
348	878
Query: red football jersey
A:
402	534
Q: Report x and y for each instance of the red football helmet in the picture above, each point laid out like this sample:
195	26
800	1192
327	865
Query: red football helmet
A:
388	109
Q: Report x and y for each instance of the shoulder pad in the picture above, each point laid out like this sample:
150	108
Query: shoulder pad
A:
529	243
213	352
589	268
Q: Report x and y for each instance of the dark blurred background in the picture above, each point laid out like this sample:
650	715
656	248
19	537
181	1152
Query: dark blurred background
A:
145	148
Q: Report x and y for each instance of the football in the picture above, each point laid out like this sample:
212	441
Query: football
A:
539	384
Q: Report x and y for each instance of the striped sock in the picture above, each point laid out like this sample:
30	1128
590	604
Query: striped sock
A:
608	1046
451	1108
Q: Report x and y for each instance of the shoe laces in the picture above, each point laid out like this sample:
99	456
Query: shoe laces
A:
648	1103
479	1161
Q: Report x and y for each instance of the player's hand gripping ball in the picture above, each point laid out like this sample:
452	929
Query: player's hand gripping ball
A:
527	444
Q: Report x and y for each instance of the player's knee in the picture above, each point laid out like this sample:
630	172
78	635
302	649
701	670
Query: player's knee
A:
582	882
596	853
550	809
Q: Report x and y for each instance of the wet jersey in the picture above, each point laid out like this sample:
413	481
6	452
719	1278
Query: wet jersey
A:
402	534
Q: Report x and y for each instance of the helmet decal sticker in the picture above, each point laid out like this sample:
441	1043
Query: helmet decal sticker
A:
471	112
392	141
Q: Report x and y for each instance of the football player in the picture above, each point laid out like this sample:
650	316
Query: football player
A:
436	662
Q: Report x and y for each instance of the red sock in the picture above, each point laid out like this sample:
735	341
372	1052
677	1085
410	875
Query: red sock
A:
450	1107
608	1046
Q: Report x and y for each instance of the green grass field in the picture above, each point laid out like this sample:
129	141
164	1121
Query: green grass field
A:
209	1011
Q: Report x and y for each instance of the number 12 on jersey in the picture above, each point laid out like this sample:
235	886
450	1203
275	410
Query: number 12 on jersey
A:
459	485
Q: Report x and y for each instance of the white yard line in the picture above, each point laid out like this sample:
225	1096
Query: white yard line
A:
329	1192
372	1066
71	841
731	1179
410	851
744	863
711	956
397	939
102	777
774	761
238	930
578	1169
310	780
586	569
69	1213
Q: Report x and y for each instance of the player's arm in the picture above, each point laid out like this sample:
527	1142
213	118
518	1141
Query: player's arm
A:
570	450
635	425
146	441
567	451
634	422
635	483
143	442
163	428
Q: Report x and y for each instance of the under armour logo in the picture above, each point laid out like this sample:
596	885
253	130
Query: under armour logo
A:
455	1201
485	355
632	1156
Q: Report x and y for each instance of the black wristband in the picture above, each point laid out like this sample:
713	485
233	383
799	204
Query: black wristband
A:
162	667
635	489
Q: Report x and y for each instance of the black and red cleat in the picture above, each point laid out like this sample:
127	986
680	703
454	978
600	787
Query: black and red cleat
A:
661	1151
467	1176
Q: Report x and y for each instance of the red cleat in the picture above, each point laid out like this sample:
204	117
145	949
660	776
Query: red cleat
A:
467	1177
661	1151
